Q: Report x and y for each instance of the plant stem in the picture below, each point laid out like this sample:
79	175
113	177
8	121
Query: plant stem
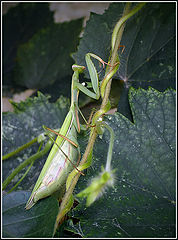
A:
117	35
14	187
25	163
115	42
123	20
19	149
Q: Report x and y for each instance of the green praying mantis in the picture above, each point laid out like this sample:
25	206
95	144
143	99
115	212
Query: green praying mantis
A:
65	152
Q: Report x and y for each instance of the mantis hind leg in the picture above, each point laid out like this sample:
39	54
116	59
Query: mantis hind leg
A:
70	141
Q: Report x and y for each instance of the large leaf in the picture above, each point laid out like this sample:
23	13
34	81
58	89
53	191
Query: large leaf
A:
25	124
142	202
149	39
46	56
19	25
21	223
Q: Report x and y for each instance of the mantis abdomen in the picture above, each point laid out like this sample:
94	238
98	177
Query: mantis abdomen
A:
56	175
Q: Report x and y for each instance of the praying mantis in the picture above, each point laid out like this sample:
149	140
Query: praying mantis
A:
65	151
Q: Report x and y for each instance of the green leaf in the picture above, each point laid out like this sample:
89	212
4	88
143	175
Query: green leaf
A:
20	223
45	58
19	25
149	55
142	202
25	124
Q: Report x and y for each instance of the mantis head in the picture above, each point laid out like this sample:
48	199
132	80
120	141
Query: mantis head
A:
78	68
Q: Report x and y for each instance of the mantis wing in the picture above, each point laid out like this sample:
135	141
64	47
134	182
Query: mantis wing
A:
56	173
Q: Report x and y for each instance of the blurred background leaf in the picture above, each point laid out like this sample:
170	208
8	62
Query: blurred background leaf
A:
46	56
19	24
36	51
